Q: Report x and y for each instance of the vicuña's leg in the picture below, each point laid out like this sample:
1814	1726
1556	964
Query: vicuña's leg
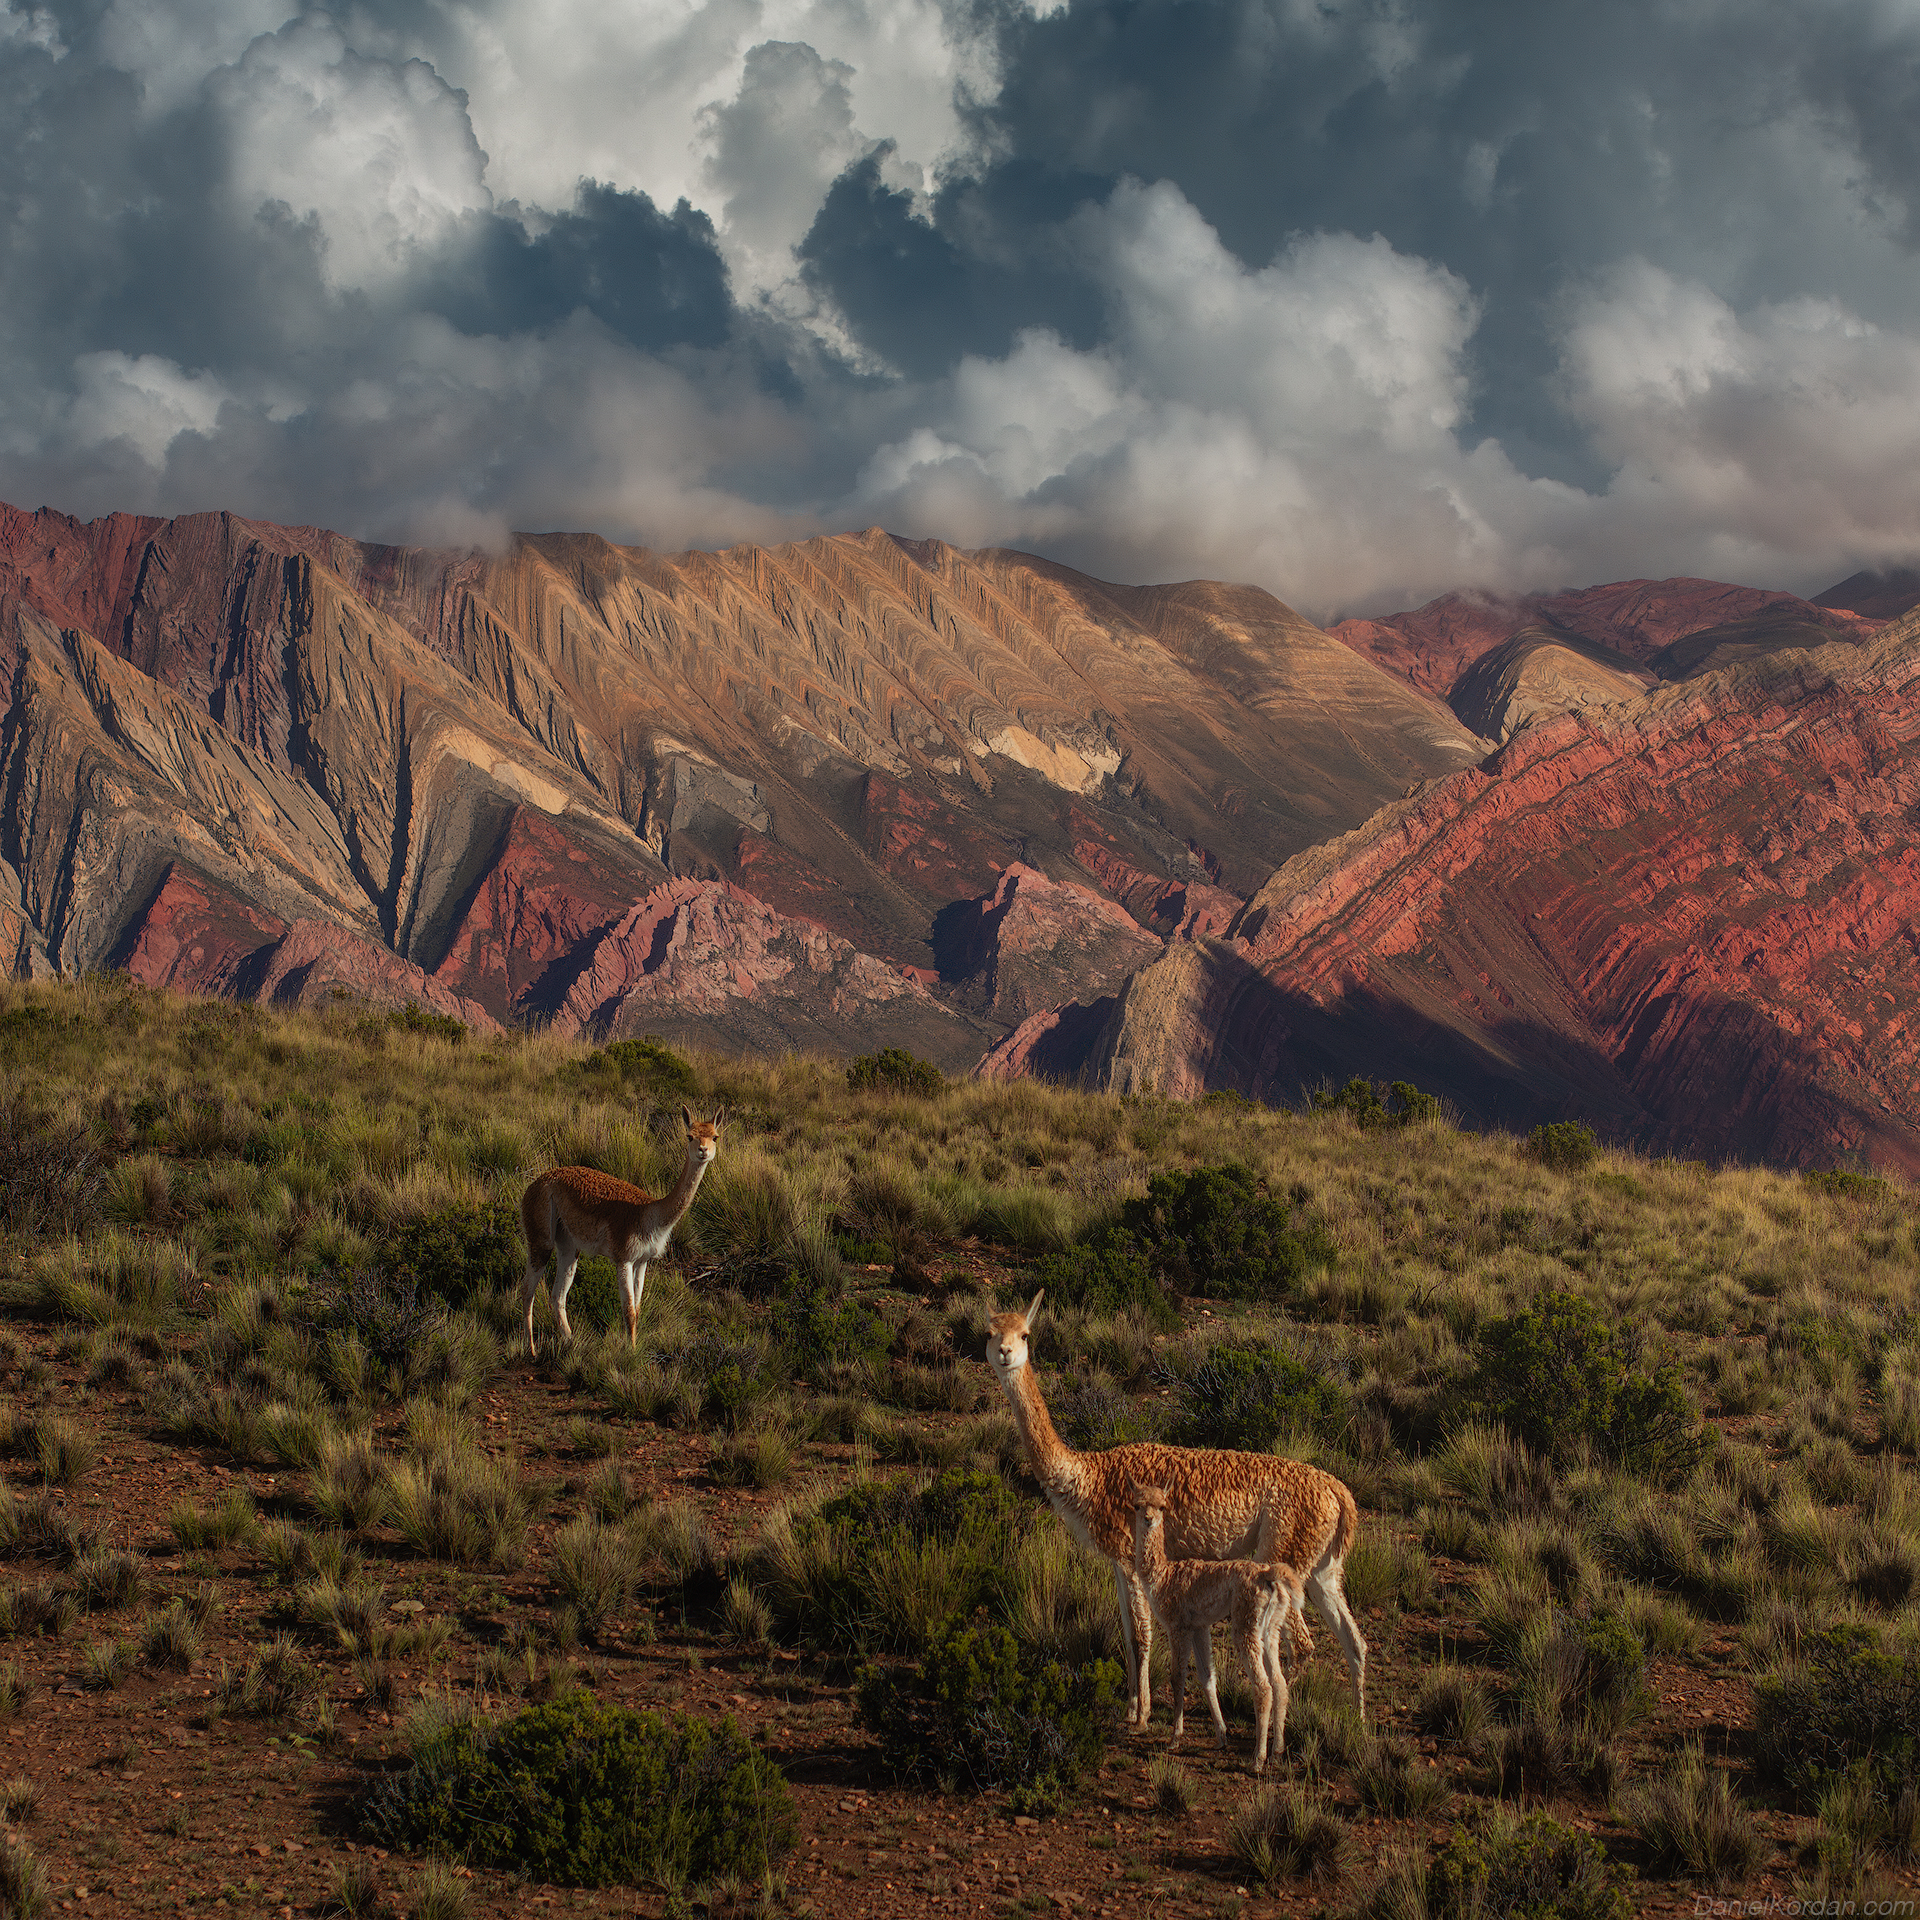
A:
1138	1645
1260	1649
1323	1584
1178	1648
566	1262
1209	1681
633	1279
529	1291
1138	1605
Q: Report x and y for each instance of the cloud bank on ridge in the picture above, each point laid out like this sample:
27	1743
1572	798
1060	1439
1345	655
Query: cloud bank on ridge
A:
1360	301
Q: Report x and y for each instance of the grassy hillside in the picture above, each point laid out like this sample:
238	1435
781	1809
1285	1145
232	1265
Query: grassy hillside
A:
301	1546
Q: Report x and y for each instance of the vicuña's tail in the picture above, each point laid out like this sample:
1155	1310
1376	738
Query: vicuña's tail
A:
1346	1526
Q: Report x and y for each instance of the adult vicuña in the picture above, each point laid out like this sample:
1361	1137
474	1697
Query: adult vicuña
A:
1220	1506
1188	1596
569	1211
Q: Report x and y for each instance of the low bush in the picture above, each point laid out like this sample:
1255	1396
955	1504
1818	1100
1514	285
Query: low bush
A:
894	1070
647	1065
1243	1393
584	1795
1377	1108
51	1173
458	1255
822	1333
981	1712
1211	1230
1845	1707
885	1562
1564	1145
1106	1274
1533	1867
1557	1374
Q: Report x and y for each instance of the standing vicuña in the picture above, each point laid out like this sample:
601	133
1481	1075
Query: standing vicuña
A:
1188	1596
1220	1506
569	1211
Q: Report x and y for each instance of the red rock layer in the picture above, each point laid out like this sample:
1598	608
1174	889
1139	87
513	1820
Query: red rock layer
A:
1691	921
1033	943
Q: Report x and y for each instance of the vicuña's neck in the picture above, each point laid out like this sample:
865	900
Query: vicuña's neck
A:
1150	1552
681	1198
1051	1456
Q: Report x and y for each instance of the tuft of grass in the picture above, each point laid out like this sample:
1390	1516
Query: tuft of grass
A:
747	1617
109	1579
439	1893
356	1889
593	1571
66	1452
1691	1821
23	1880
1453	1704
106	1664
173	1638
275	1682
19	1797
759	1456
1173	1788
458	1503
1283	1833
1390	1780
230	1523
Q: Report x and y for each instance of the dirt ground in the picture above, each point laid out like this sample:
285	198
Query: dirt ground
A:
148	1802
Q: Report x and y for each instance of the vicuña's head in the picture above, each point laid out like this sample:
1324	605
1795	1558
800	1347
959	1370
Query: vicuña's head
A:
703	1136
1007	1336
1149	1507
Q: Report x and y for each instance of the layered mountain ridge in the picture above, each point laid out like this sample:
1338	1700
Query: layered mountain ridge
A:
222	733
1641	854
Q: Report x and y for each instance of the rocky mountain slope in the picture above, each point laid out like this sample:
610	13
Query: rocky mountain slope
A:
1432	647
721	793
1693	920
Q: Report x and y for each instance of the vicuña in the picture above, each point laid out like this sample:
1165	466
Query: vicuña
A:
569	1211
1189	1596
1221	1505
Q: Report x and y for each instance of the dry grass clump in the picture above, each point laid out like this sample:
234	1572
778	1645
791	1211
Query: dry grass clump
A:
1284	1833
1692	1822
459	1503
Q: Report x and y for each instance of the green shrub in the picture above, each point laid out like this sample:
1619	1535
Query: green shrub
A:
645	1063
414	1018
1106	1274
821	1333
1534	1868
1246	1394
1844	1707
1557	1374
584	1795
894	1069
1564	1145
461	1254
1212	1231
883	1563
1404	1105
1844	1184
981	1712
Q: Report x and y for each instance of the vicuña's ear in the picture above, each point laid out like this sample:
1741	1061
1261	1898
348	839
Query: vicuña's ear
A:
686	1114
719	1114
1033	1305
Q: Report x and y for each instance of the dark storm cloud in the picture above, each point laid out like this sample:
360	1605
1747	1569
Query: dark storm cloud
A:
653	279
1361	301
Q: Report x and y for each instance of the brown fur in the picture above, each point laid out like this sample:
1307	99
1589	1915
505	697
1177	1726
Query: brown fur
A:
1189	1596
568	1211
1221	1505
